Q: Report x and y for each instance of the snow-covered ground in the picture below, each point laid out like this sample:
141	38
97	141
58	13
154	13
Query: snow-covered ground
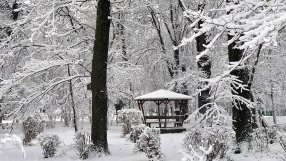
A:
121	150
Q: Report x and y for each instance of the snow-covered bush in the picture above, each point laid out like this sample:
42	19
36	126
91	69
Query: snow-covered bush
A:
83	144
136	131
208	142
128	118
30	129
260	139
149	142
49	144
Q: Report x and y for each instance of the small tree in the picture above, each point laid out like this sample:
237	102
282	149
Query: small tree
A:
30	129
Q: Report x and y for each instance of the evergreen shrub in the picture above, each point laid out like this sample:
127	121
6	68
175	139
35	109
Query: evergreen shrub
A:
149	142
136	131
49	144
30	129
128	118
83	144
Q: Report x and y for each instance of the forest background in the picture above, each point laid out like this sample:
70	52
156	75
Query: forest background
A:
227	54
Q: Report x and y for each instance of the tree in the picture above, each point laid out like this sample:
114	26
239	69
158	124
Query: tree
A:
204	65
241	113
46	38
251	25
98	78
7	12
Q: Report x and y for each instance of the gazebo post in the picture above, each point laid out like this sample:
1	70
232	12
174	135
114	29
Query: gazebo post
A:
158	104
166	102
186	106
140	105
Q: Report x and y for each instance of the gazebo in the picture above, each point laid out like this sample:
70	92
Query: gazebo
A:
164	117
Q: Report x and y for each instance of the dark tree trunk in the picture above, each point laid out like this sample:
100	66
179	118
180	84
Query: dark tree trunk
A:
121	34
241	114
1	115
204	65
98	78
75	117
15	13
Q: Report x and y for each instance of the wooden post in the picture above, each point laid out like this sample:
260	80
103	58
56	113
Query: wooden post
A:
158	104
166	102
140	105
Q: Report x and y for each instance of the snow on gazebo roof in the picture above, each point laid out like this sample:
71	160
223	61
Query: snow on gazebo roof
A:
162	95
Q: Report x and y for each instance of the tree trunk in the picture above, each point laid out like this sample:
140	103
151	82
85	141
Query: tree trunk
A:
121	34
1	114
75	117
204	65
15	13
241	114
98	78
273	106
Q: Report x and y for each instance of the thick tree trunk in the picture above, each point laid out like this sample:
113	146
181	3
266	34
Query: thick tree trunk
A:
98	78
204	65
241	114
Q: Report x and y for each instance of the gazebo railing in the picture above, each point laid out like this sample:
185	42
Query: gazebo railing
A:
178	120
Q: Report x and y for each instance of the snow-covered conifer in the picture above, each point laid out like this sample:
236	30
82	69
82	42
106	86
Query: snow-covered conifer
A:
128	118
49	144
30	128
83	144
150	143
136	131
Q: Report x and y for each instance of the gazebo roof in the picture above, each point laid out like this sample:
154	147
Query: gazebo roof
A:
162	95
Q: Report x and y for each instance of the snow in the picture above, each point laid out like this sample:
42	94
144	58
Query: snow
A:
120	148
162	95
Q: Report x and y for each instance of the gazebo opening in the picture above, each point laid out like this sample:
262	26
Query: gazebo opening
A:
163	109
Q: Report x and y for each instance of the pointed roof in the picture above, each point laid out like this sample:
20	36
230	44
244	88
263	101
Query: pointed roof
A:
162	95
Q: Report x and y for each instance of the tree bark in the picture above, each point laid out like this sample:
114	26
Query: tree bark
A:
241	114
98	78
75	117
1	114
121	34
204	65
15	13
273	106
